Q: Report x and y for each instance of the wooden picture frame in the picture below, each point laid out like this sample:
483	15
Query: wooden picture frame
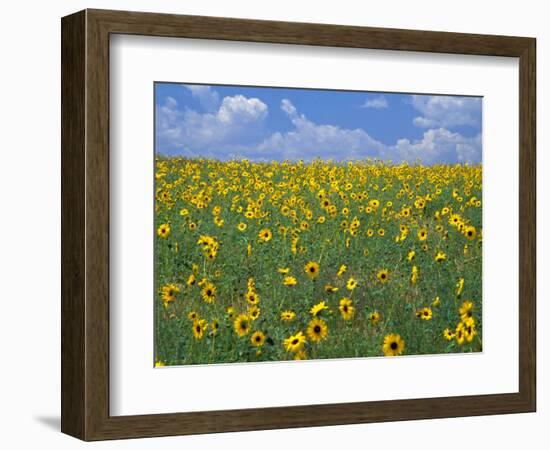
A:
85	224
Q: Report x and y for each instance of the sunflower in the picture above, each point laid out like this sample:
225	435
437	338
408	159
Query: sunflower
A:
448	334
470	330
253	312
257	339
199	327
312	269
283	270
410	255
290	281
295	343
383	275
424	313
169	293
191	280
318	308
300	355
460	335
317	330
160	364
422	234
208	293
351	284
393	345
466	310
288	316
330	289
381	232
164	230
436	302
265	235
192	226
214	327
341	270
242	324
241	226
346	308
440	256
374	317
192	315
414	275
252	297
470	233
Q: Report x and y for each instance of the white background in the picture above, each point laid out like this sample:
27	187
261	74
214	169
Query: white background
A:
137	388
30	235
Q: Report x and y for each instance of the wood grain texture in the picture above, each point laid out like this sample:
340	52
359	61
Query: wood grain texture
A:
85	224
73	111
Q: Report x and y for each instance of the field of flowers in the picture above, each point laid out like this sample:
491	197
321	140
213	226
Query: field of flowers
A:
283	261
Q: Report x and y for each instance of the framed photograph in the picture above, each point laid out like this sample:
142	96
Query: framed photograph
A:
270	224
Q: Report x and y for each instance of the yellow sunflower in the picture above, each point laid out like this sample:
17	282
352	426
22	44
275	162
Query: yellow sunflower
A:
253	312
341	270
470	233
393	345
257	339
208	293
466	310
318	308
290	281
265	235
351	284
374	317
295	343
199	327
169	293
164	230
383	275
317	329
242	325
252	297
312	269
346	308
425	313
448	334
288	316
422	234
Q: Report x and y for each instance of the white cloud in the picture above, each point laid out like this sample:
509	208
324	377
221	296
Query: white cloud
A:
207	97
437	146
237	121
447	111
308	140
377	103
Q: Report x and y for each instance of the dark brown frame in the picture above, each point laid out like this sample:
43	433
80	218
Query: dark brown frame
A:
85	224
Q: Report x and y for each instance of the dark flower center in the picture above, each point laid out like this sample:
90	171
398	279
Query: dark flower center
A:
316	328
393	345
294	341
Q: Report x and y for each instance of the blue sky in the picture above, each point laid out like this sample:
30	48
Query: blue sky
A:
263	124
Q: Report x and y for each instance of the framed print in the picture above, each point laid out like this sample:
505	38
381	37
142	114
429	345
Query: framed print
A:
270	224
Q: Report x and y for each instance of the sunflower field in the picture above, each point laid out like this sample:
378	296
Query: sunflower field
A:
292	260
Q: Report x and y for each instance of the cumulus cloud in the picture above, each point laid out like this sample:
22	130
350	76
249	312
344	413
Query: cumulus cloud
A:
308	140
447	111
207	97
437	146
237	121
376	102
